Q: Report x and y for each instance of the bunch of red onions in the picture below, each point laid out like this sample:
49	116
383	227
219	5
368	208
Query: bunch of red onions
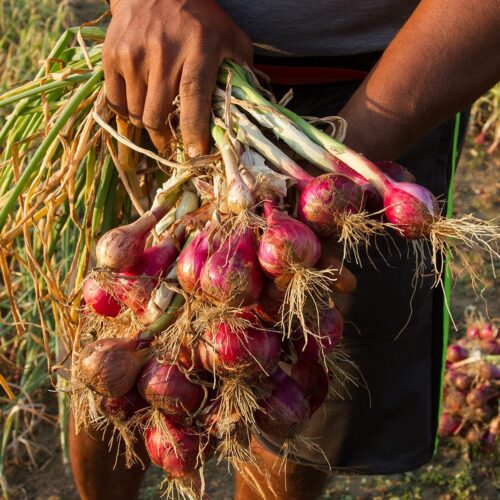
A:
472	387
205	325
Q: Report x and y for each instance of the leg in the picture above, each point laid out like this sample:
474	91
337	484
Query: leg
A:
94	470
294	482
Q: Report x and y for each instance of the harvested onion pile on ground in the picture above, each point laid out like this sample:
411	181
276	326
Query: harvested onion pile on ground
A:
472	386
194	308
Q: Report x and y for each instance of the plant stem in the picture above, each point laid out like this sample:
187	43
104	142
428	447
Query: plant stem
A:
37	158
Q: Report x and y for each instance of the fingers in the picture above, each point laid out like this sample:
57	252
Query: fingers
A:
159	104
197	84
115	91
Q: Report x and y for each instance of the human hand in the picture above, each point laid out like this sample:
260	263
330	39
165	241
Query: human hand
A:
156	49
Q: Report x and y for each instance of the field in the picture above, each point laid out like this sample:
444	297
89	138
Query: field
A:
33	465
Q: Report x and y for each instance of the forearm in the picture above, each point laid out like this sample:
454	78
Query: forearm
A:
444	57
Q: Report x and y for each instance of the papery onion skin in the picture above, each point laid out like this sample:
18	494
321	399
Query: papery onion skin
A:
166	387
122	408
268	308
448	424
395	171
100	301
176	452
122	247
134	288
331	325
110	366
232	275
326	200
241	352
191	261
285	412
286	243
455	353
411	208
313	380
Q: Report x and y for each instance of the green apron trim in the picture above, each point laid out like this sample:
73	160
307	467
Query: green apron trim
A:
447	272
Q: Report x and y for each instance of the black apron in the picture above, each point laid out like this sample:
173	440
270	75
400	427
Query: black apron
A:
388	424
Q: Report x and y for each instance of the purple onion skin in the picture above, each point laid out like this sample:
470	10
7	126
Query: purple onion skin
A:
191	261
488	332
325	200
124	407
286	410
490	346
331	325
177	452
448	425
286	242
454	401
156	260
269	304
455	353
480	395
395	171
472	332
313	381
232	275
411	208
165	387
99	300
254	351
489	371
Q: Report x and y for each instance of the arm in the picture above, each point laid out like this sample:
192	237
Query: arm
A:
445	56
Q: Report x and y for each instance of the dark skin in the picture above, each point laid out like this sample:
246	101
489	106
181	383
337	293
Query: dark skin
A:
445	56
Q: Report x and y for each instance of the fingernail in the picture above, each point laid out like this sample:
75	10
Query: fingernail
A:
193	151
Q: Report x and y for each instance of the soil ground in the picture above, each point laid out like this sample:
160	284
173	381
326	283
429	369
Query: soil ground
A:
456	472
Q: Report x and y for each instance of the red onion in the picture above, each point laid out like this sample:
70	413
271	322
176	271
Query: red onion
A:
100	301
326	200
313	381
191	261
395	171
483	413
165	387
124	407
456	353
232	275
122	247
177	450
454	401
110	366
331	325
448	424
489	371
285	412
270	301
472	332
242	351
463	381
489	346
488	332
134	288
480	395
286	243
411	208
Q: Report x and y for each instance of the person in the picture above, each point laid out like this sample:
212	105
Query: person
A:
400	72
